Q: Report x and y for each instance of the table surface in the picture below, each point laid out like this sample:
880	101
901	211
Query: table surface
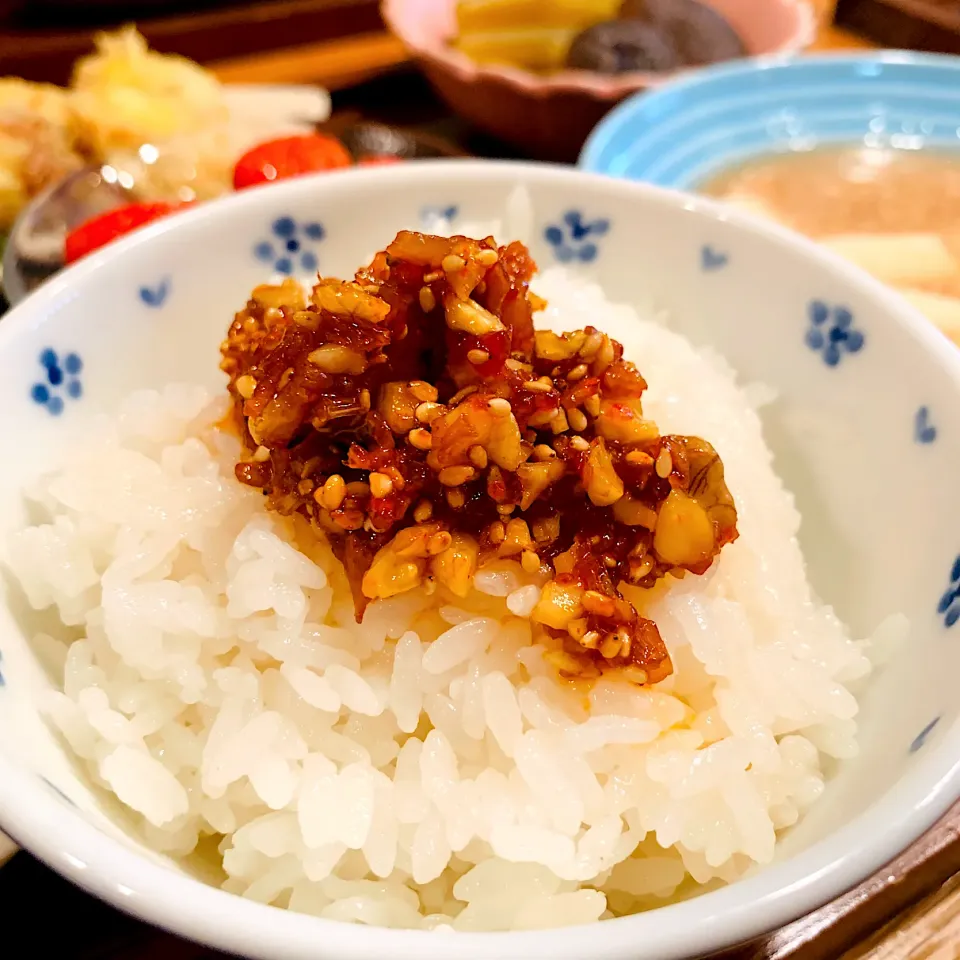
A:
908	911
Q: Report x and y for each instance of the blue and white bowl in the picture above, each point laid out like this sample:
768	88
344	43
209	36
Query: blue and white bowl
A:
686	132
866	430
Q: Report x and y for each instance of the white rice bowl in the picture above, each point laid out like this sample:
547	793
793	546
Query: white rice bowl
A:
427	768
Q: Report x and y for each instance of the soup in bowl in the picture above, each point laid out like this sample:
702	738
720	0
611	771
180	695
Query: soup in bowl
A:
858	152
531	568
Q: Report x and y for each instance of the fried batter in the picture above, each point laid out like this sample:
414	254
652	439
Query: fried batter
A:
416	417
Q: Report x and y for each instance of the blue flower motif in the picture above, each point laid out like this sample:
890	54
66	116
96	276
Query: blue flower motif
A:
288	248
430	214
923	430
571	238
712	259
921	738
61	377
3	682
155	296
831	332
948	607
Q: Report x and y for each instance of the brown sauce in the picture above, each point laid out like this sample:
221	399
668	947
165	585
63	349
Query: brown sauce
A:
416	417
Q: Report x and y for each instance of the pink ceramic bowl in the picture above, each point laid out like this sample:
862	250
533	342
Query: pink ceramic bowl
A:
549	117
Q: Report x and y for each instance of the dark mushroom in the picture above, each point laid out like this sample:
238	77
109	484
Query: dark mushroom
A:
696	32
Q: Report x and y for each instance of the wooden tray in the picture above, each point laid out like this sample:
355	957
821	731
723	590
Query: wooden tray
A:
932	25
30	48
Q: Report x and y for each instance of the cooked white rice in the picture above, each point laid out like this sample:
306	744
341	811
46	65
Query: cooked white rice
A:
428	768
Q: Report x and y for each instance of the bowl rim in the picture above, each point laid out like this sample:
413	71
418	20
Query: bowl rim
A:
578	81
629	114
778	894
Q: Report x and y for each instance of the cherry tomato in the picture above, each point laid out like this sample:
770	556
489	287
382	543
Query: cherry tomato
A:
106	227
289	157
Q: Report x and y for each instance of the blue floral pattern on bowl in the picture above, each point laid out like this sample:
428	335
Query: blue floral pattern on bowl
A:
61	379
155	296
832	333
921	738
574	238
429	215
291	247
923	430
712	259
949	605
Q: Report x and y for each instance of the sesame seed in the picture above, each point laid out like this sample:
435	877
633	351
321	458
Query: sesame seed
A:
497	532
559	423
543	452
246	386
529	561
610	646
477	356
463	394
332	493
423	511
428	301
456	499
371	288
420	438
590	639
577	373
451	263
500	406
505	509
577	419
454	476
592	405
380	485
639	458
261	454
538	386
487	257
428	412
579	443
432	276
664	464
478	457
